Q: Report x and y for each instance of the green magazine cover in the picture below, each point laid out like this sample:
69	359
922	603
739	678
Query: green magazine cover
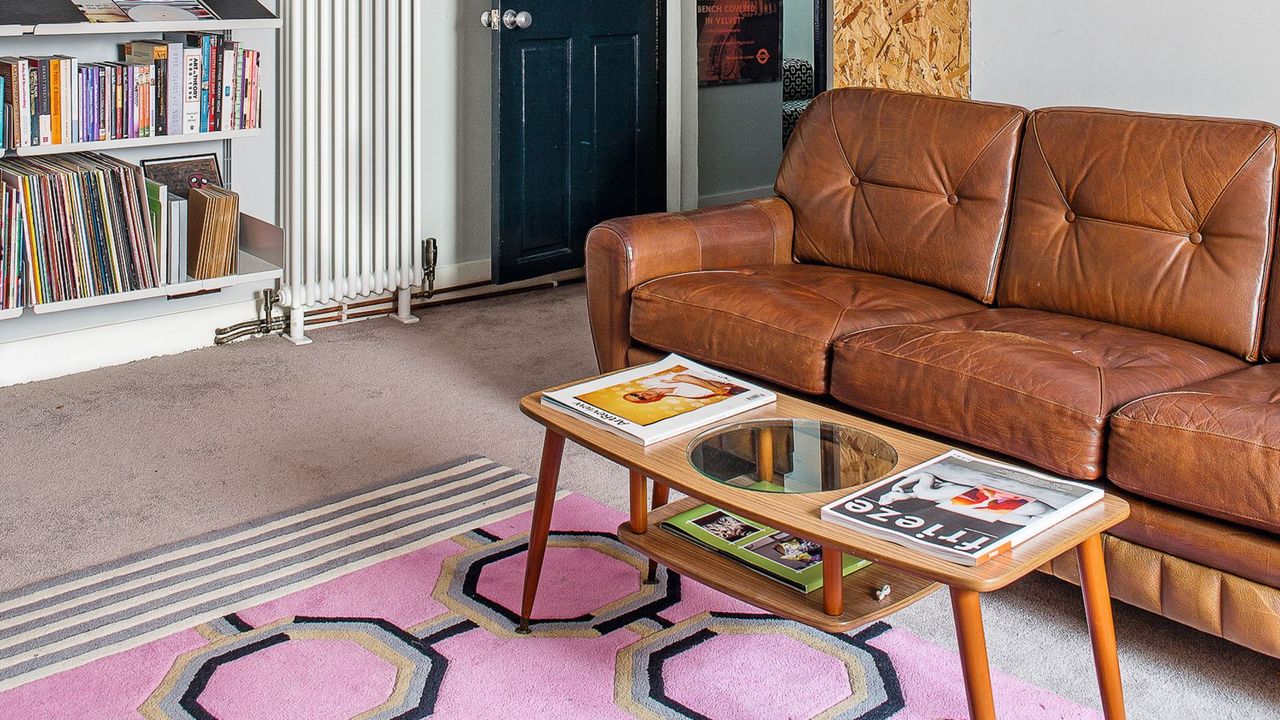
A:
779	555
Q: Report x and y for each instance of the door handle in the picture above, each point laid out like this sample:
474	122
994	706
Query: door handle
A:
513	19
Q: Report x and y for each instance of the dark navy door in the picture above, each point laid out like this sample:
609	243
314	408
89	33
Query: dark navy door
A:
577	126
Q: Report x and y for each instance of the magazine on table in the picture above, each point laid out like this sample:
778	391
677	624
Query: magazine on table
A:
650	403
962	508
775	554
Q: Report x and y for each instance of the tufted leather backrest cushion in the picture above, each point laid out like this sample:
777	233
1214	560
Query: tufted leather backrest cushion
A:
1155	222
912	186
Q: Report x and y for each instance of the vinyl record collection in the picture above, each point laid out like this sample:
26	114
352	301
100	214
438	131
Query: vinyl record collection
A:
83	225
185	84
75	226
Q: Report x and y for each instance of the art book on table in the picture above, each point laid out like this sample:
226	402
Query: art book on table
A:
778	555
651	403
962	508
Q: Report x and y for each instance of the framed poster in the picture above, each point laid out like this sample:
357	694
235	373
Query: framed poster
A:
739	41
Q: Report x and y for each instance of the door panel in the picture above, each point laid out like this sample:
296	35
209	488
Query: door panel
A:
577	128
544	130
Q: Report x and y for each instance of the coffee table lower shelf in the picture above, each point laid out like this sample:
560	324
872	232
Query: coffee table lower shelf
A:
732	578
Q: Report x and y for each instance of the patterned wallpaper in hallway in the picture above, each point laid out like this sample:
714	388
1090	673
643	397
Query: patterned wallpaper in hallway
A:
916	45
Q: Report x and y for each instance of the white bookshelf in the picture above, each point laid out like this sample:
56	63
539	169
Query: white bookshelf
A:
260	256
252	271
134	28
108	145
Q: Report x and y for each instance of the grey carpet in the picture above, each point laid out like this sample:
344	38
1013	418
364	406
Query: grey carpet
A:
101	465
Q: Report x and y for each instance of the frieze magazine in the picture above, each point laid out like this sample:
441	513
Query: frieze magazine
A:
961	508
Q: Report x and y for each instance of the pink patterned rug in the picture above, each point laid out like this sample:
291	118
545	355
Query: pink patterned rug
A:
428	633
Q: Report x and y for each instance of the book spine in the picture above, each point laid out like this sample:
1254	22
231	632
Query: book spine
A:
130	101
33	93
206	57
238	110
24	100
160	91
122	119
13	138
215	85
55	101
191	93
174	89
72	90
41	127
227	104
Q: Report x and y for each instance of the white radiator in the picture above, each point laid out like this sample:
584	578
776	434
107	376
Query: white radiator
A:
352	152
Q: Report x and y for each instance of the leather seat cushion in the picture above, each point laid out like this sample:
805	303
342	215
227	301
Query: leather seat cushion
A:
1214	543
1028	383
1213	447
777	322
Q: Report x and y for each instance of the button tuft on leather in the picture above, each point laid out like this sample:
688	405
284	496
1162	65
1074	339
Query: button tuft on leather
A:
952	199
1195	238
854	181
1071	217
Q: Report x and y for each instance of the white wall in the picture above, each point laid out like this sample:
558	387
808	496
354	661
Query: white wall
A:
1173	56
797	29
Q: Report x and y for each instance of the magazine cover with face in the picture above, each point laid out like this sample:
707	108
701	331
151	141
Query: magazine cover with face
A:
650	403
962	508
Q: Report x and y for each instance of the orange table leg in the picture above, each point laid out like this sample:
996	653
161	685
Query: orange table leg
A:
1102	631
764	454
639	503
832	582
661	496
967	608
543	502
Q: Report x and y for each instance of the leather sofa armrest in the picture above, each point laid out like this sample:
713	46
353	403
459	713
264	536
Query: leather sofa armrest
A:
622	254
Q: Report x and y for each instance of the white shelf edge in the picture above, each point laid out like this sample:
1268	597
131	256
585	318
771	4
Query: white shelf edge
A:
157	141
127	28
12	313
11	30
253	270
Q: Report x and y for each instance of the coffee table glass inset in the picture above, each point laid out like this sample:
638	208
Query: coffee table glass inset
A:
791	455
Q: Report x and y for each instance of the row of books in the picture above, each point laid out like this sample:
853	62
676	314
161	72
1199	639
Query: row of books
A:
187	83
81	225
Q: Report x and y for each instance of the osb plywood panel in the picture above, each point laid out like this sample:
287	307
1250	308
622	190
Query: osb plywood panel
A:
915	45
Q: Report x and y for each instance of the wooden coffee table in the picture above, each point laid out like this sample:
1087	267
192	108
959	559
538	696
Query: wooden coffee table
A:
841	604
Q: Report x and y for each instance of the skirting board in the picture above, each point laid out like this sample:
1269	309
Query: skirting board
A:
50	356
67	353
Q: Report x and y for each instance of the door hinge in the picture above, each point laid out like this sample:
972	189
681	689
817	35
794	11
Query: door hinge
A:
430	255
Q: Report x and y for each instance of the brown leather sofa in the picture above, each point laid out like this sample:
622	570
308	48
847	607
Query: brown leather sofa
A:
1080	289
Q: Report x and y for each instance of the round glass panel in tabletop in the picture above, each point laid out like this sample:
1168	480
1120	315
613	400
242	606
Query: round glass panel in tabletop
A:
791	456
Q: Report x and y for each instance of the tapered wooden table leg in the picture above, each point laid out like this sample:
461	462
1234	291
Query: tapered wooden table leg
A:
661	496
967	608
1102	631
832	582
639	503
544	501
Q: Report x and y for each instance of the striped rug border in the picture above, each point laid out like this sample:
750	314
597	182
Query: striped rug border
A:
501	494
